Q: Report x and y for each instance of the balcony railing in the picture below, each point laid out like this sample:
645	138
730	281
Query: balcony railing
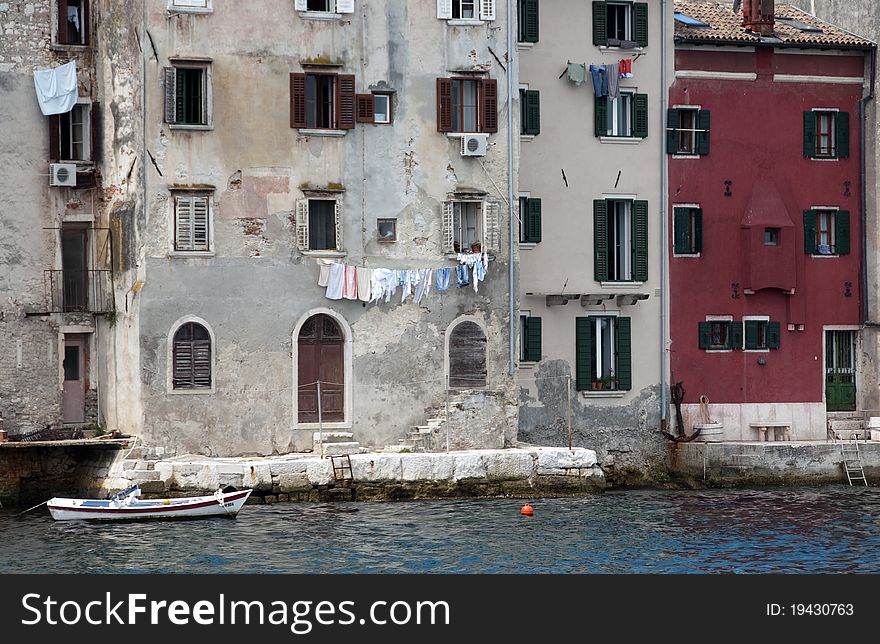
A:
79	291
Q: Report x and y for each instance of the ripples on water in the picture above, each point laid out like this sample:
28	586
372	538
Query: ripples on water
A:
828	530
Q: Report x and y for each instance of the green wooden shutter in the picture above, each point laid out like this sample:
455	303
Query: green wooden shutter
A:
624	354
533	221
841	232
640	115
532	106
529	29
753	328
640	241
703	135
735	335
640	23
583	353
810	232
705	334
698	230
600	24
773	335
601	116
672	122
600	239
842	135
532	339
809	135
681	226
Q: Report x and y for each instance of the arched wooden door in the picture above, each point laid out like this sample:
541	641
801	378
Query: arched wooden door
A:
467	356
321	357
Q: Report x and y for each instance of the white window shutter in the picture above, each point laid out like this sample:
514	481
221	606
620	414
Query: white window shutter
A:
183	228
444	9
170	95
491	227
344	6
200	223
447	231
302	224
300	5
487	9
337	216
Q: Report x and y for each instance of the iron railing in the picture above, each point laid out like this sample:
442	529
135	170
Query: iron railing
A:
70	291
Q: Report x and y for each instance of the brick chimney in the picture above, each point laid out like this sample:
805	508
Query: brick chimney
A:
758	16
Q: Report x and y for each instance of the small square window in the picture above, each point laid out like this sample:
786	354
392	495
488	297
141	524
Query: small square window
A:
381	108
187	94
387	230
771	236
322	224
73	22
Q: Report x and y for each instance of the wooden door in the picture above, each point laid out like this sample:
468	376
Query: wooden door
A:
74	366
321	358
840	372
467	356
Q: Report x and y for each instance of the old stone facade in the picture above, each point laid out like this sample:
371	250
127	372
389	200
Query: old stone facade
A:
245	165
50	333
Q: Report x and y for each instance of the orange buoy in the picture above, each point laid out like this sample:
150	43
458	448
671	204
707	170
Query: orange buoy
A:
527	510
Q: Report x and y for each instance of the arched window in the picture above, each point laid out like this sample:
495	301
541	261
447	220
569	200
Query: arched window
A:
192	357
467	356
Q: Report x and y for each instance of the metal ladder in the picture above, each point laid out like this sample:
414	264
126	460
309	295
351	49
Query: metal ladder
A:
852	461
342	472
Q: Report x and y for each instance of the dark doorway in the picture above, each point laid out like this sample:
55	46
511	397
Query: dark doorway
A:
467	356
321	358
74	265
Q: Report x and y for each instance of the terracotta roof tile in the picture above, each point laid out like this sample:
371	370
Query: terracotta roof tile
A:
726	26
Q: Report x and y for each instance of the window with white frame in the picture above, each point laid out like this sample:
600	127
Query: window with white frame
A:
74	134
619	244
620	114
825	232
471	226
466	9
325	6
603	348
319	224
192	222
381	108
188	93
618	18
200	6
687	131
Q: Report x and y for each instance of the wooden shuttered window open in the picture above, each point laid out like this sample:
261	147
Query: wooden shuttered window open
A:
839	139
841	232
638	18
528	21
640	115
531	339
345	102
532	221
603	269
585	349
487	118
531	107
640	241
842	133
583	353
640	23
191	223
600	240
623	366
364	108
687	228
489	105
303	236
841	227
191	357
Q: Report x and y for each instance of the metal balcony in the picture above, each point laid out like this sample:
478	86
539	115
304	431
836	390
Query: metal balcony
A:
70	291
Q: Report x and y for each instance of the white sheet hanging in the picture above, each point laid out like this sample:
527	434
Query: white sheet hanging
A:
56	88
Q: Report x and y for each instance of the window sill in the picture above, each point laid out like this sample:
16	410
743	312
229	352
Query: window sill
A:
70	48
323	253
458	135
464	22
627	140
527	365
685	156
525	45
832	256
192	392
691	255
756	350
327	426
80	163
526	137
319	15
316	132
824	159
617	49
632	285
527	245
182	126
191	253
603	394
196	10
718	350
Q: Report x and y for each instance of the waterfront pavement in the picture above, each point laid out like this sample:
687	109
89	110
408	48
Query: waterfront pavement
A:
376	475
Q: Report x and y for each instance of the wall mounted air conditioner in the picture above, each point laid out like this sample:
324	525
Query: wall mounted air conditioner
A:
474	145
62	174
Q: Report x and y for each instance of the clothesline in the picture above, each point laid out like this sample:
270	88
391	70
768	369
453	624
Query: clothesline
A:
345	281
605	76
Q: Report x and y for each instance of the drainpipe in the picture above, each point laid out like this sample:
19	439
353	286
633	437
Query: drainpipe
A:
863	126
664	198
511	277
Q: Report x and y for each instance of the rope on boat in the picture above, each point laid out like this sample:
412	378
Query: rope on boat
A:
33	508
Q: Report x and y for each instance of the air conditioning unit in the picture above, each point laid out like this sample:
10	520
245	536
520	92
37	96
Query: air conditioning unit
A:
62	174
474	145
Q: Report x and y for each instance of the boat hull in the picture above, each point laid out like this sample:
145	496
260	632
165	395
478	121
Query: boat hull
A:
222	504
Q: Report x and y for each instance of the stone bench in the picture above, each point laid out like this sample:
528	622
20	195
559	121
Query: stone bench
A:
778	428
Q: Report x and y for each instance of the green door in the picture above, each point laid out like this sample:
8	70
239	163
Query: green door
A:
840	372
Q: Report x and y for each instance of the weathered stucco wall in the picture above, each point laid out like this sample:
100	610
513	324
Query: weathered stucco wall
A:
568	167
257	287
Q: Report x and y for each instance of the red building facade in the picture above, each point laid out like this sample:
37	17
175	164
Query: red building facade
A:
765	217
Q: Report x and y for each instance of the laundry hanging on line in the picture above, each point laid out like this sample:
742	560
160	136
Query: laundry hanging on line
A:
56	89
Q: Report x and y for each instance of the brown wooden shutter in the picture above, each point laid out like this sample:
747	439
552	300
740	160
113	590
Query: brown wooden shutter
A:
61	36
201	352
182	367
444	105
95	126
297	100
489	105
364	108
345	103
55	137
